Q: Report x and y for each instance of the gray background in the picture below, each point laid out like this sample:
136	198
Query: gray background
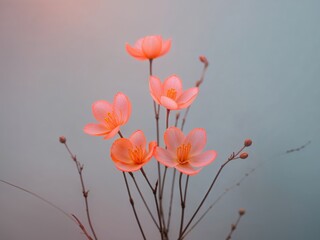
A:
59	56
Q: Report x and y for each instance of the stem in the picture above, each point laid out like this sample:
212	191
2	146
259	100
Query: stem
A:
154	191
233	227
157	114
206	195
144	201
167	118
120	134
198	83
171	199
132	205
183	202
84	191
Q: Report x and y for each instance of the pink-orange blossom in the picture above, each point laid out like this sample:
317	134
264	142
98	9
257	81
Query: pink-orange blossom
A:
110	116
149	47
170	93
130	154
185	153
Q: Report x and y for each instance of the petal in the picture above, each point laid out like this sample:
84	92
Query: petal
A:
138	44
120	151
95	129
151	46
122	107
136	53
187	169
168	103
173	138
128	167
100	110
152	148
155	87
164	157
112	133
203	159
138	139
172	82
197	138
187	97
166	45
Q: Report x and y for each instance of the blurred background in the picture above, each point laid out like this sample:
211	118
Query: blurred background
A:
59	56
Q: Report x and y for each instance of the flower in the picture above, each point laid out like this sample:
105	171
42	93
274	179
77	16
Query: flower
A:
130	154
110	116
149	47
170	94
185	152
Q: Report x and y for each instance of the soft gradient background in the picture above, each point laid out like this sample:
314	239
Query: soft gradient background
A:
58	56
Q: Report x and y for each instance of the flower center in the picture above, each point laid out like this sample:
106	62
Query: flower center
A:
183	153
172	93
112	120
137	154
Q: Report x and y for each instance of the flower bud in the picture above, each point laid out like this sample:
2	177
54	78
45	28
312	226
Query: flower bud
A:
248	142
244	155
62	139
204	60
242	211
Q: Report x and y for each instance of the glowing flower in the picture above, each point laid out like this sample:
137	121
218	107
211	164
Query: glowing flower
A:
149	47
185	152
110	116
130	154
170	94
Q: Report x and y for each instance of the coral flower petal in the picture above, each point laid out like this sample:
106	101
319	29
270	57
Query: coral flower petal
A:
152	147
164	157
168	103
136	53
187	97
152	46
166	45
111	134
138	139
197	138
155	87
127	167
95	129
122	107
119	151
173	138
187	169
203	159
173	82
100	110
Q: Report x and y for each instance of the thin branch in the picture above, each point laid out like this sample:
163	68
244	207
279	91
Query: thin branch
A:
132	205
84	191
144	201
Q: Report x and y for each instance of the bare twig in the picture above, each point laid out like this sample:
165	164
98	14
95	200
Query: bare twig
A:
84	191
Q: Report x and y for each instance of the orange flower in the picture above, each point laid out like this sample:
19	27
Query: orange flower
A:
130	154
170	94
185	153
149	47
110	116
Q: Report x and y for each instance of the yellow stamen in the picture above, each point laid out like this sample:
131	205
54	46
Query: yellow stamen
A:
137	154
183	153
112	120
172	93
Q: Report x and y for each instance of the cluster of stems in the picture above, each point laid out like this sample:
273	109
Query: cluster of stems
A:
163	219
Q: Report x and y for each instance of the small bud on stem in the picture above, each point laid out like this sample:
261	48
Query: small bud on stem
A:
62	139
244	155
242	211
247	142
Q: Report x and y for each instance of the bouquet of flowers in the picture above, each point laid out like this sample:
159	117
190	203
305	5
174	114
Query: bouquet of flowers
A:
182	155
